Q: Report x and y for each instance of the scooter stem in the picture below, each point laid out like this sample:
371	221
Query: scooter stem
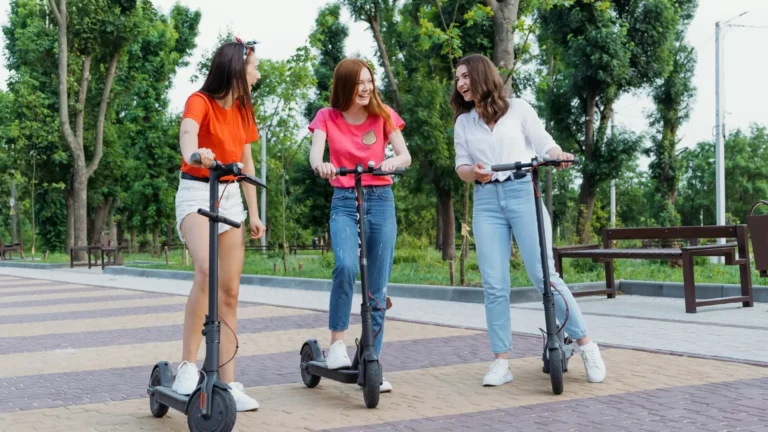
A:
367	309
549	301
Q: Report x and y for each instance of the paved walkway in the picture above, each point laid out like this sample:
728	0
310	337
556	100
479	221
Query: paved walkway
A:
77	346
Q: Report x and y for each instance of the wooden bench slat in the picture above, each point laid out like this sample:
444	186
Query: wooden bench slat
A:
623	253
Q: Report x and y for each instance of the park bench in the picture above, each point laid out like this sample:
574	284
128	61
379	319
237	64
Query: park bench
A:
685	254
6	251
105	252
758	231
294	248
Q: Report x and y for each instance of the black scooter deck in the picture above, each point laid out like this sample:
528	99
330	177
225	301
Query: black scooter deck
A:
346	376
168	397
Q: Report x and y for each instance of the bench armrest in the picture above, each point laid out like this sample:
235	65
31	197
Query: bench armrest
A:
577	247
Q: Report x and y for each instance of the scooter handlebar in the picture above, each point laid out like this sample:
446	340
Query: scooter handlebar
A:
218	218
517	166
234	169
342	171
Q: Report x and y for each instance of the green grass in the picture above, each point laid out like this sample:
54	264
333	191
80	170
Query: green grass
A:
425	266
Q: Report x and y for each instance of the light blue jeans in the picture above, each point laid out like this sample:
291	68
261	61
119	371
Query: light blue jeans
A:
381	231
498	209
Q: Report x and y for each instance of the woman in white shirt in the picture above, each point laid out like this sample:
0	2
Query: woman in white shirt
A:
492	129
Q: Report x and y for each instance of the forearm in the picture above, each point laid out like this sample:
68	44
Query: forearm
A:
466	173
188	143
249	190
402	160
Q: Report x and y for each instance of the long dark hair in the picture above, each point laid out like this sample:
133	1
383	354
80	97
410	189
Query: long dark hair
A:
227	75
487	87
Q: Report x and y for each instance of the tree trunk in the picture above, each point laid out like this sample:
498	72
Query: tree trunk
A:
504	20
156	248
439	227
464	237
100	221
134	241
373	21
588	186
169	227
70	219
449	222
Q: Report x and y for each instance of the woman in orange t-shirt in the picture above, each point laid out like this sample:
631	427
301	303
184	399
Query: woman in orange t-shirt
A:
218	122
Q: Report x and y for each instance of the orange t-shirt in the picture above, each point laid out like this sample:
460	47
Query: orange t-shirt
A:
221	131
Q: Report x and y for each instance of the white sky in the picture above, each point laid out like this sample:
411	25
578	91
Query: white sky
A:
282	26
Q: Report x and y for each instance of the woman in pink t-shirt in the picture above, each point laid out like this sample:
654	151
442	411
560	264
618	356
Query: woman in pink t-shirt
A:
358	127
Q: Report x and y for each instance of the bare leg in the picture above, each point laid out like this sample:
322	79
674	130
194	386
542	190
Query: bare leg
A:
232	253
195	231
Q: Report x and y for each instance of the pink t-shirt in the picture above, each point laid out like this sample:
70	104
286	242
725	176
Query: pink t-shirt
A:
350	144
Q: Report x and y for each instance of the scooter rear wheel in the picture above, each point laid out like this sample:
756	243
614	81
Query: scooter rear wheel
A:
223	413
158	409
556	370
372	388
309	379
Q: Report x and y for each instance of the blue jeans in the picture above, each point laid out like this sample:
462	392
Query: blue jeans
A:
381	231
498	209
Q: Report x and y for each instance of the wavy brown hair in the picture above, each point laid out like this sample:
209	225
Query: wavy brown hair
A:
486	86
344	89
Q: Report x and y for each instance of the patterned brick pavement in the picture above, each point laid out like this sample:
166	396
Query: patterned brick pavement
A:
76	358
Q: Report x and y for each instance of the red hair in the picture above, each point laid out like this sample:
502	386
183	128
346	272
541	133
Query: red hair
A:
344	89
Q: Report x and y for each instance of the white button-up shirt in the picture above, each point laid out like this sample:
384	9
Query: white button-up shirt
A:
515	137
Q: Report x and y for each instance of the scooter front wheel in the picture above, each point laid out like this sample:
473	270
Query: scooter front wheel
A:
158	409
310	380
222	416
556	370
372	387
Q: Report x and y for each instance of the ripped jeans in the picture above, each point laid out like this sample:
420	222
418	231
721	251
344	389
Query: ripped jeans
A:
381	231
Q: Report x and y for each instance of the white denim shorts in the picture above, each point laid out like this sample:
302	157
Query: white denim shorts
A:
193	195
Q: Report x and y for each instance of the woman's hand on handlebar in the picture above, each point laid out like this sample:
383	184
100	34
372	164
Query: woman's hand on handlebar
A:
206	158
559	154
481	174
326	170
388	166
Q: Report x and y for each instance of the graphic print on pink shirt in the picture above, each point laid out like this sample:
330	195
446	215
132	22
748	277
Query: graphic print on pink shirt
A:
350	144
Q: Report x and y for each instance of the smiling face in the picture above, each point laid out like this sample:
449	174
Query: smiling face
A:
252	73
364	88
463	83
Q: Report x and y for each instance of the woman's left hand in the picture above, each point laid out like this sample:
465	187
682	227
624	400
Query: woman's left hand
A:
561	155
257	228
388	165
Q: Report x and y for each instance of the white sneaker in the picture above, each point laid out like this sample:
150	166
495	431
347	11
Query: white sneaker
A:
242	400
187	377
498	373
385	386
593	362
337	357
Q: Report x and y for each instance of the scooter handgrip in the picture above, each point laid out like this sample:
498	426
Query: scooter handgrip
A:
504	167
397	171
195	157
218	218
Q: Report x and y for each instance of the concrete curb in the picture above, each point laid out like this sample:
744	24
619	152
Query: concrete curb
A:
459	293
33	265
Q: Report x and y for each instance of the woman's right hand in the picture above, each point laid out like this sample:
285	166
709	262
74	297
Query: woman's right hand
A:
480	174
206	158
326	170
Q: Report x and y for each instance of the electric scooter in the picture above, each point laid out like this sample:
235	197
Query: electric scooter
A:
210	407
557	348
365	370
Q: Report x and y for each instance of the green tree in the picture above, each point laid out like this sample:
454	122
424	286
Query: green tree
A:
672	96
605	49
746	179
327	40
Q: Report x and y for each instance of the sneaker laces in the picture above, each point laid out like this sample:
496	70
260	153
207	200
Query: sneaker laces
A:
237	387
590	357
